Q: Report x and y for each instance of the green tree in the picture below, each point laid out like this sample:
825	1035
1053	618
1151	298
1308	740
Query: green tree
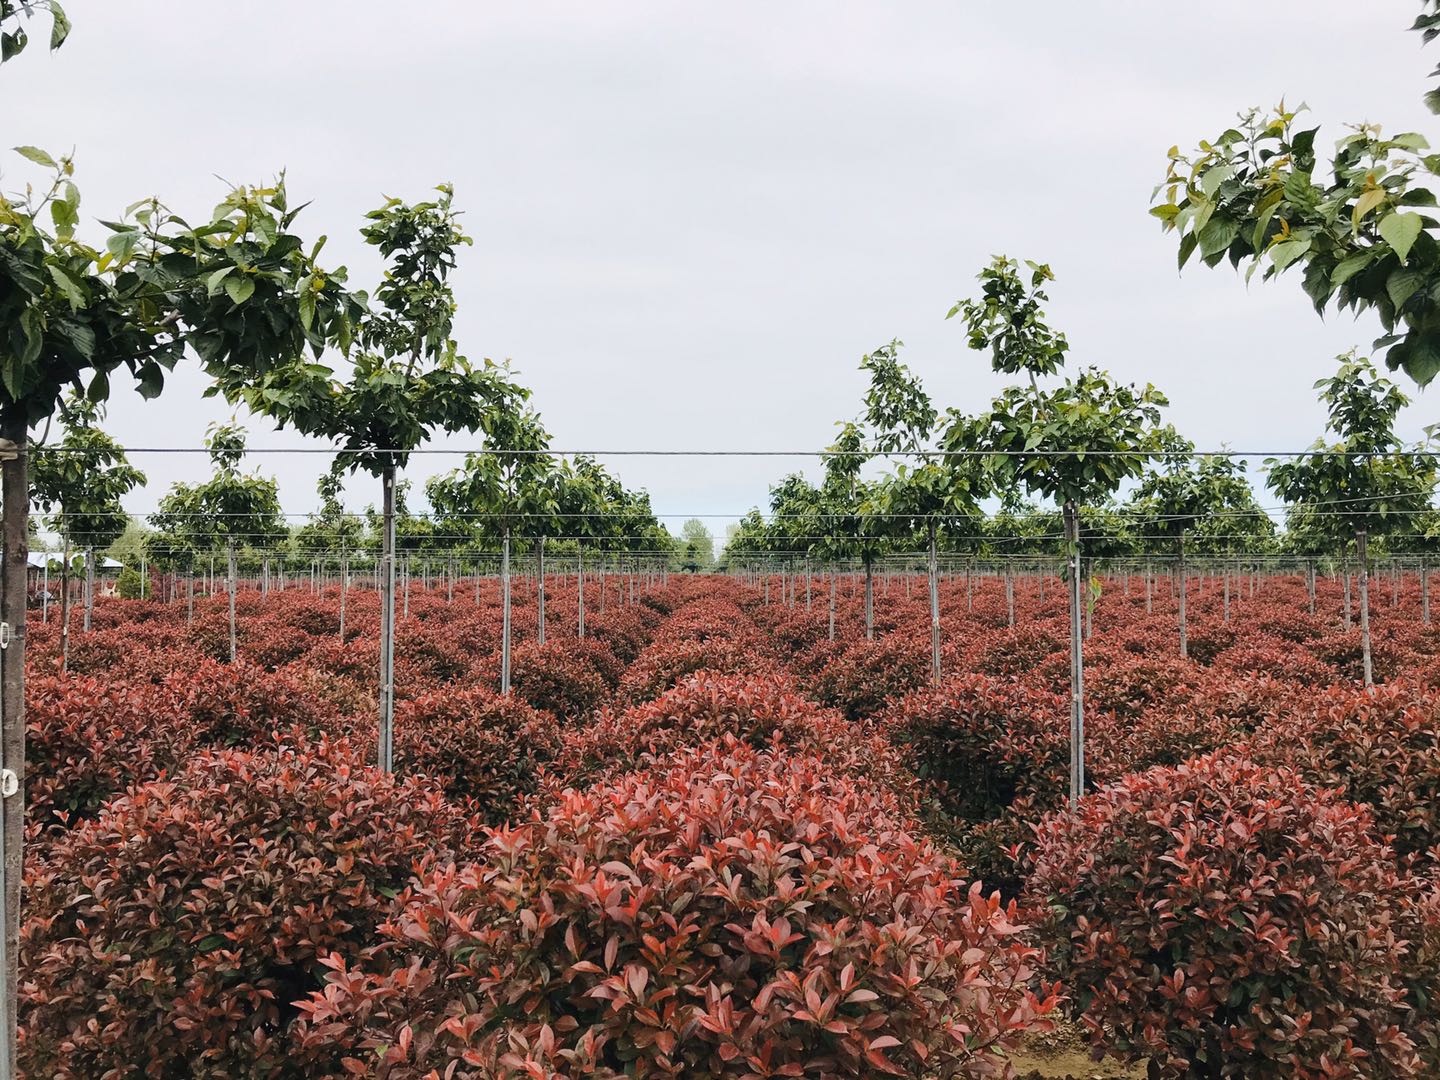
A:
502	491
80	483
1257	195
1183	497
931	495
407	379
231	509
332	533
697	546
1367	481
1074	444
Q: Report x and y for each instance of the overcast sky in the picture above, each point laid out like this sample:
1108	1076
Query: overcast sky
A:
691	221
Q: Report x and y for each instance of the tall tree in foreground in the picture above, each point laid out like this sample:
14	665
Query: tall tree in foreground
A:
407	380
80	483
230	510
1075	443
75	317
1367	481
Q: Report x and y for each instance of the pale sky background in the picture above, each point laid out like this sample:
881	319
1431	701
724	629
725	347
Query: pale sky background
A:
691	221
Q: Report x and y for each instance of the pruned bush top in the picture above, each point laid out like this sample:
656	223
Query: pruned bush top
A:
170	936
1228	920
481	746
731	913
1381	747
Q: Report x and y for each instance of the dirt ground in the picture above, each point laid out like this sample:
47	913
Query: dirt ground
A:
1064	1055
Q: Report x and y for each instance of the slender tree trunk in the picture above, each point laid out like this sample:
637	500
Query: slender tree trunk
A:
934	573
387	621
1345	573
1009	597
1424	592
1227	594
1184	628
1310	583
189	597
231	583
969	592
89	588
580	591
16	496
832	605
540	590
344	589
869	602
505	612
1077	661
64	603
807	585
1149	590
1362	544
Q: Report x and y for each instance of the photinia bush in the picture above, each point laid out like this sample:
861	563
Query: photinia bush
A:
732	913
1380	747
170	936
1227	919
480	745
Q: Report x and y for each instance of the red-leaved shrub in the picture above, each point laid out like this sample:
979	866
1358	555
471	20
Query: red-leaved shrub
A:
733	913
1226	919
170	936
1381	747
481	746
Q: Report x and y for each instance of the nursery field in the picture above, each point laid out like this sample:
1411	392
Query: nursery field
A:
708	840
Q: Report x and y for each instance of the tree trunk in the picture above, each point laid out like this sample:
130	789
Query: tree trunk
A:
387	621
1227	594
807	585
1361	554
1310	583
16	496
64	605
832	605
505	612
580	592
1149	590
869	602
189	597
1345	573
1184	629
1424	592
1009	597
1077	661
934	573
89	588
230	586
344	589
540	590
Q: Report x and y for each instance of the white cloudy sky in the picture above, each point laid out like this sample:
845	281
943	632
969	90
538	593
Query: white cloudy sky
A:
691	220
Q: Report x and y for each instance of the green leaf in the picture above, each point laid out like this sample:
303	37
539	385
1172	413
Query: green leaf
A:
1401	231
1349	268
239	289
1403	284
1287	251
60	29
67	285
38	156
212	283
210	943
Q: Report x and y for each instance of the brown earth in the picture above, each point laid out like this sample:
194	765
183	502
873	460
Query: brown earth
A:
1064	1055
